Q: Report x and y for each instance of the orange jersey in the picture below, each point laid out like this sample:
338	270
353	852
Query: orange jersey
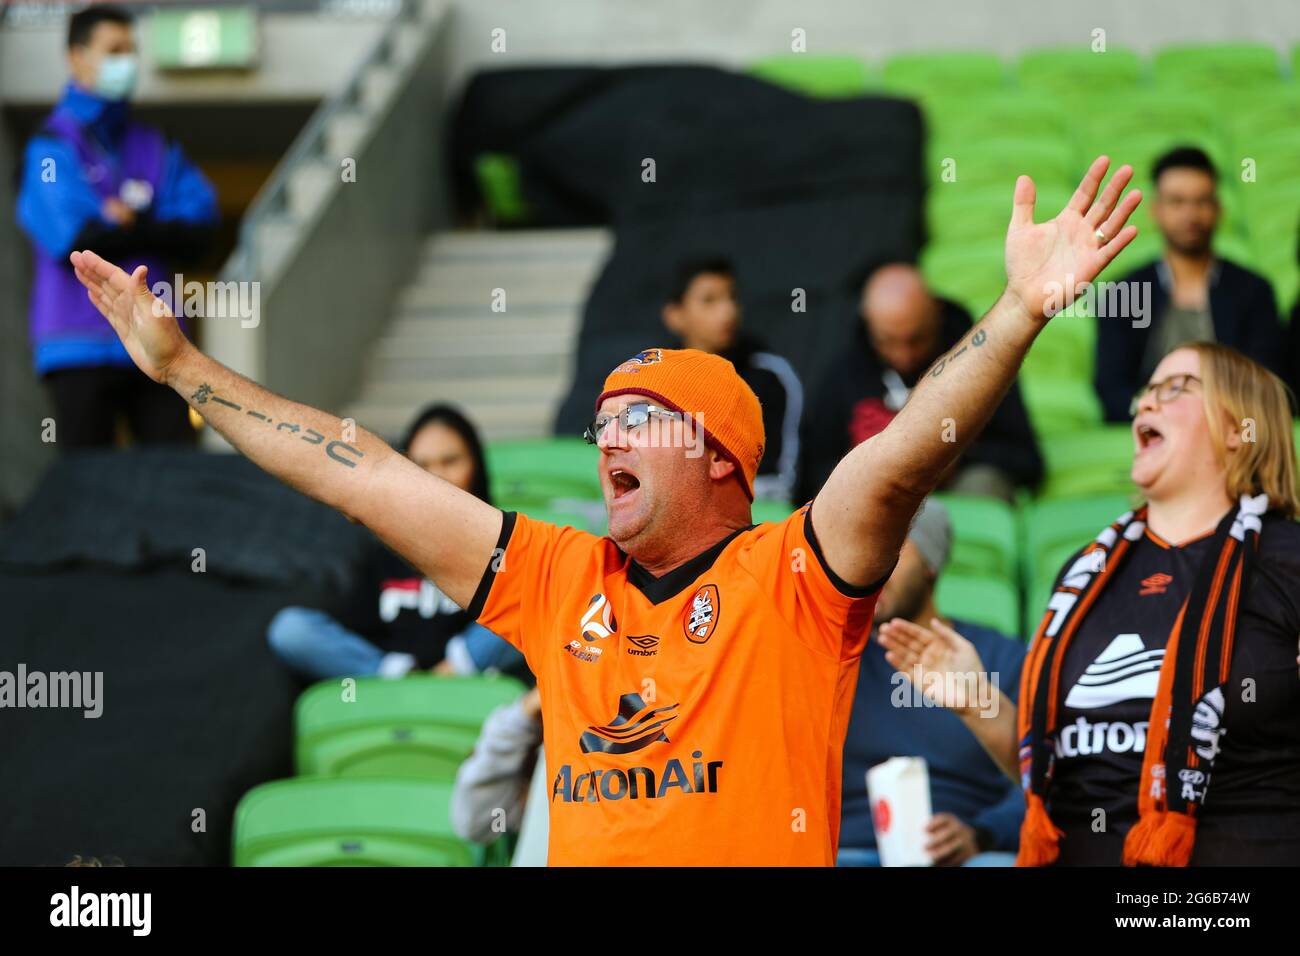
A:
693	719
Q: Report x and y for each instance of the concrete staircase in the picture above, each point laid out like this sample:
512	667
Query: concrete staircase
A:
508	370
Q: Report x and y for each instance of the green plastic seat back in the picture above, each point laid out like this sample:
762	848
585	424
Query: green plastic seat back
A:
926	75
981	599
960	212
971	273
1115	71
332	821
1217	66
419	726
821	75
995	161
1011	113
1097	461
984	536
501	184
540	470
770	511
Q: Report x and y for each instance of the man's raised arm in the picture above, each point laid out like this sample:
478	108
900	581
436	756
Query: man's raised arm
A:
445	532
862	514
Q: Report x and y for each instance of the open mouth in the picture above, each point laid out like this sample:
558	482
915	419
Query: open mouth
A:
1148	437
623	483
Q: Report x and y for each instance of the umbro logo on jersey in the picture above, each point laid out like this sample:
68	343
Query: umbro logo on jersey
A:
702	615
599	621
644	645
1156	583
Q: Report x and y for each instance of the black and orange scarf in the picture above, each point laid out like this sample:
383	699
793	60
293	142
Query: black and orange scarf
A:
1182	739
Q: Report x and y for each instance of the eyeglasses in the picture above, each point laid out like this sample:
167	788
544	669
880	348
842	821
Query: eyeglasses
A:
1165	390
629	417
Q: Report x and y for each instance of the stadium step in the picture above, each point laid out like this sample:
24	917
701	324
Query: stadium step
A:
489	322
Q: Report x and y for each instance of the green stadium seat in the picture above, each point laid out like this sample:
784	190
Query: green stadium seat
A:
1054	528
1063	351
998	160
984	536
1260	115
567	512
1283	274
331	821
1217	66
1093	462
940	75
1276	166
771	511
816	74
1067	71
1141	150
1012	113
501	185
538	471
988	600
1060	405
971	273
420	726
1170	115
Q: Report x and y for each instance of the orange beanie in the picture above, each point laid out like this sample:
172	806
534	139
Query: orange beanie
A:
709	389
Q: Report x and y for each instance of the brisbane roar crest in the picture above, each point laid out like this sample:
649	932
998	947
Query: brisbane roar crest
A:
702	614
635	363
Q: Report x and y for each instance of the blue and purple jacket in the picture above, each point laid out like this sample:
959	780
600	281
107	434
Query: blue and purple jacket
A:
84	152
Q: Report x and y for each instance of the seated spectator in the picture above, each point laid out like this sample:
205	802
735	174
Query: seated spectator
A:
412	625
491	798
1190	294
977	810
703	313
904	330
95	178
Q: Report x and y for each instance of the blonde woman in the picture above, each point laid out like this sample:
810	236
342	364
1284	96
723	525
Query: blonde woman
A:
1159	711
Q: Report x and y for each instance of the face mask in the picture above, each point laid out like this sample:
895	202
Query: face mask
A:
117	75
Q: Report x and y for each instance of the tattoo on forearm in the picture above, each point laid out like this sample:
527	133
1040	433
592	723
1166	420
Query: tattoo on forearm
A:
978	339
335	449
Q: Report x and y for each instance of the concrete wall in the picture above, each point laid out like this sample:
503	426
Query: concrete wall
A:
735	32
23	403
303	57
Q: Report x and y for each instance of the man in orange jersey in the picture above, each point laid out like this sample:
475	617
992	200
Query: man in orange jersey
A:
696	672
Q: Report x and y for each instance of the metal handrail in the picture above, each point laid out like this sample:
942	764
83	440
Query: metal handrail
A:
272	200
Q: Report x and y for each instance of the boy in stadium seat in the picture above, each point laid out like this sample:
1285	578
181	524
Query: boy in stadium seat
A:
1194	295
95	177
703	313
903	330
977	810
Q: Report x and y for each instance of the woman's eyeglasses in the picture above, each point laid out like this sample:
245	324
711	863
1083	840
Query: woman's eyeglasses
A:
1166	390
629	417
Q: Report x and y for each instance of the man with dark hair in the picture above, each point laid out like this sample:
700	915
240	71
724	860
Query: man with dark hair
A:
1190	293
94	177
904	329
702	311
